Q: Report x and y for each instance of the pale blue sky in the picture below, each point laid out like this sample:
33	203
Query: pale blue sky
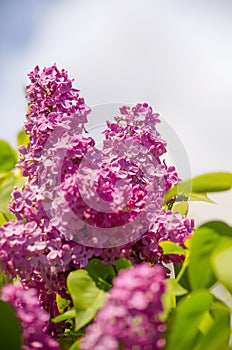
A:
173	54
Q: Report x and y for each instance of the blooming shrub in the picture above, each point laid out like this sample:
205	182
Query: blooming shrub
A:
79	215
49	248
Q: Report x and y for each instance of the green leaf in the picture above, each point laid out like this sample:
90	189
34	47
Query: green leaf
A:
4	279
83	317
217	337
101	273
221	261
68	340
82	288
8	156
23	138
3	219
87	297
181	207
200	272
10	329
171	248
201	197
206	322
68	315
176	288
20	179
182	188
5	195
4	176
61	303
169	298
213	182
76	345
220	227
183	331
122	264
8	180
182	276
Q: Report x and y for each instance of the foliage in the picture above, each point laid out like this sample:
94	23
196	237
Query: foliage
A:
10	329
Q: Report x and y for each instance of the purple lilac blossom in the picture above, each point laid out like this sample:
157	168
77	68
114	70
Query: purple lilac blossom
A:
31	316
130	318
167	226
39	247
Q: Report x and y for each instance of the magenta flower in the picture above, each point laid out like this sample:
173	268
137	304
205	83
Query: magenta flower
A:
130	318
167	225
75	192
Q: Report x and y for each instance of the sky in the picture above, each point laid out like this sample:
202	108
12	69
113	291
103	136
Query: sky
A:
174	54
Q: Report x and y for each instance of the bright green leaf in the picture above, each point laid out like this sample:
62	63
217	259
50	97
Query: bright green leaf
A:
68	315
8	156
3	219
183	330
201	197
23	138
213	182
182	275
221	262
203	242
61	303
182	188
20	179
181	207
5	196
171	248
122	264
10	329
8	180
169	298
4	279
83	289
4	176
76	345
176	288
87	297
217	337
220	227
83	317
206	322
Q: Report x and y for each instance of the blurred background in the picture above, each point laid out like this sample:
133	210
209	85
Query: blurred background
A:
174	54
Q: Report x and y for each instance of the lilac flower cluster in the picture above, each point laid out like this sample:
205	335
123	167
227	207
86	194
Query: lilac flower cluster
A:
74	191
39	257
167	226
32	317
130	318
52	102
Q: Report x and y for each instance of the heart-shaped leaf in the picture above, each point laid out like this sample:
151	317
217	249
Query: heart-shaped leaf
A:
86	296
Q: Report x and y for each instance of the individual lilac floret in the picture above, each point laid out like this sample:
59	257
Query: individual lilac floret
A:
130	318
32	317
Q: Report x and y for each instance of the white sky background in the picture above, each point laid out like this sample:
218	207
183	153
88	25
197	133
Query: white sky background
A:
175	55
